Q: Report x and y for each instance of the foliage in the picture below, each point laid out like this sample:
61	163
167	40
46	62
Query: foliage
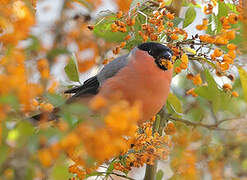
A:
203	126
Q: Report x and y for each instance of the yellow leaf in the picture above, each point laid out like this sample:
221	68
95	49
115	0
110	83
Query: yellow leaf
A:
243	79
189	50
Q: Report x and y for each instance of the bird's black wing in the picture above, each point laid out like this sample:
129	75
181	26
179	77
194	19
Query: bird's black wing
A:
89	88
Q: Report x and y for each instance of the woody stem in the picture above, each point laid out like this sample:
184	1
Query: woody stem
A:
159	124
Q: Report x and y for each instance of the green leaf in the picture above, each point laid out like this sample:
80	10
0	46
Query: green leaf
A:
211	20
60	171
10	100
156	123
35	45
110	168
74	113
243	79
85	3
217	97
190	16
55	52
25	129
177	20
55	99
222	11
4	153
232	7
103	30
75	108
30	173
159	175
174	104
71	70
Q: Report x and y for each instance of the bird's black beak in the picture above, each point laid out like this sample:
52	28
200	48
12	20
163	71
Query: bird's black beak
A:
166	55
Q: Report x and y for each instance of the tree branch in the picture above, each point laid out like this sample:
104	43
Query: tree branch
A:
208	126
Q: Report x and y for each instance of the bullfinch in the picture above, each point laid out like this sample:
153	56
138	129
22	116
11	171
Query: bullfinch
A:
139	76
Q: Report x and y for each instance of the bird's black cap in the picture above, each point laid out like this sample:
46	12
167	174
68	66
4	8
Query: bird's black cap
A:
157	51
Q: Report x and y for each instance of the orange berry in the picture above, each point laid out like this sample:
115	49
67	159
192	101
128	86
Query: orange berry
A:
201	27
220	40
130	22
205	22
174	37
122	44
190	76
127	37
204	38
232	54
116	50
144	37
197	79
46	107
133	21
234	94
144	26
119	14
169	23
123	29
153	37
183	65
105	61
227	87
156	13
62	126
169	65
174	58
230	35
231	46
223	66
140	33
218	52
233	18
191	92
97	103
225	23
90	27
162	5
170	16
227	59
161	28
170	129
213	56
177	70
35	103
114	27
45	157
43	67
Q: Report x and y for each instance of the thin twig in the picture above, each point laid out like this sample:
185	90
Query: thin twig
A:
208	126
123	176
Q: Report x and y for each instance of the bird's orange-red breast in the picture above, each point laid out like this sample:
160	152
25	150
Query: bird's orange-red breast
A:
140	81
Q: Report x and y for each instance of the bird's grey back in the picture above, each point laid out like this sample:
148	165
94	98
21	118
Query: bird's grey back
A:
112	68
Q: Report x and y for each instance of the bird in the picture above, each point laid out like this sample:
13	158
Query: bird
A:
139	76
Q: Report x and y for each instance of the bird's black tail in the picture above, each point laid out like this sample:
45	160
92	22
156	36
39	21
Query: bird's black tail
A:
45	116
